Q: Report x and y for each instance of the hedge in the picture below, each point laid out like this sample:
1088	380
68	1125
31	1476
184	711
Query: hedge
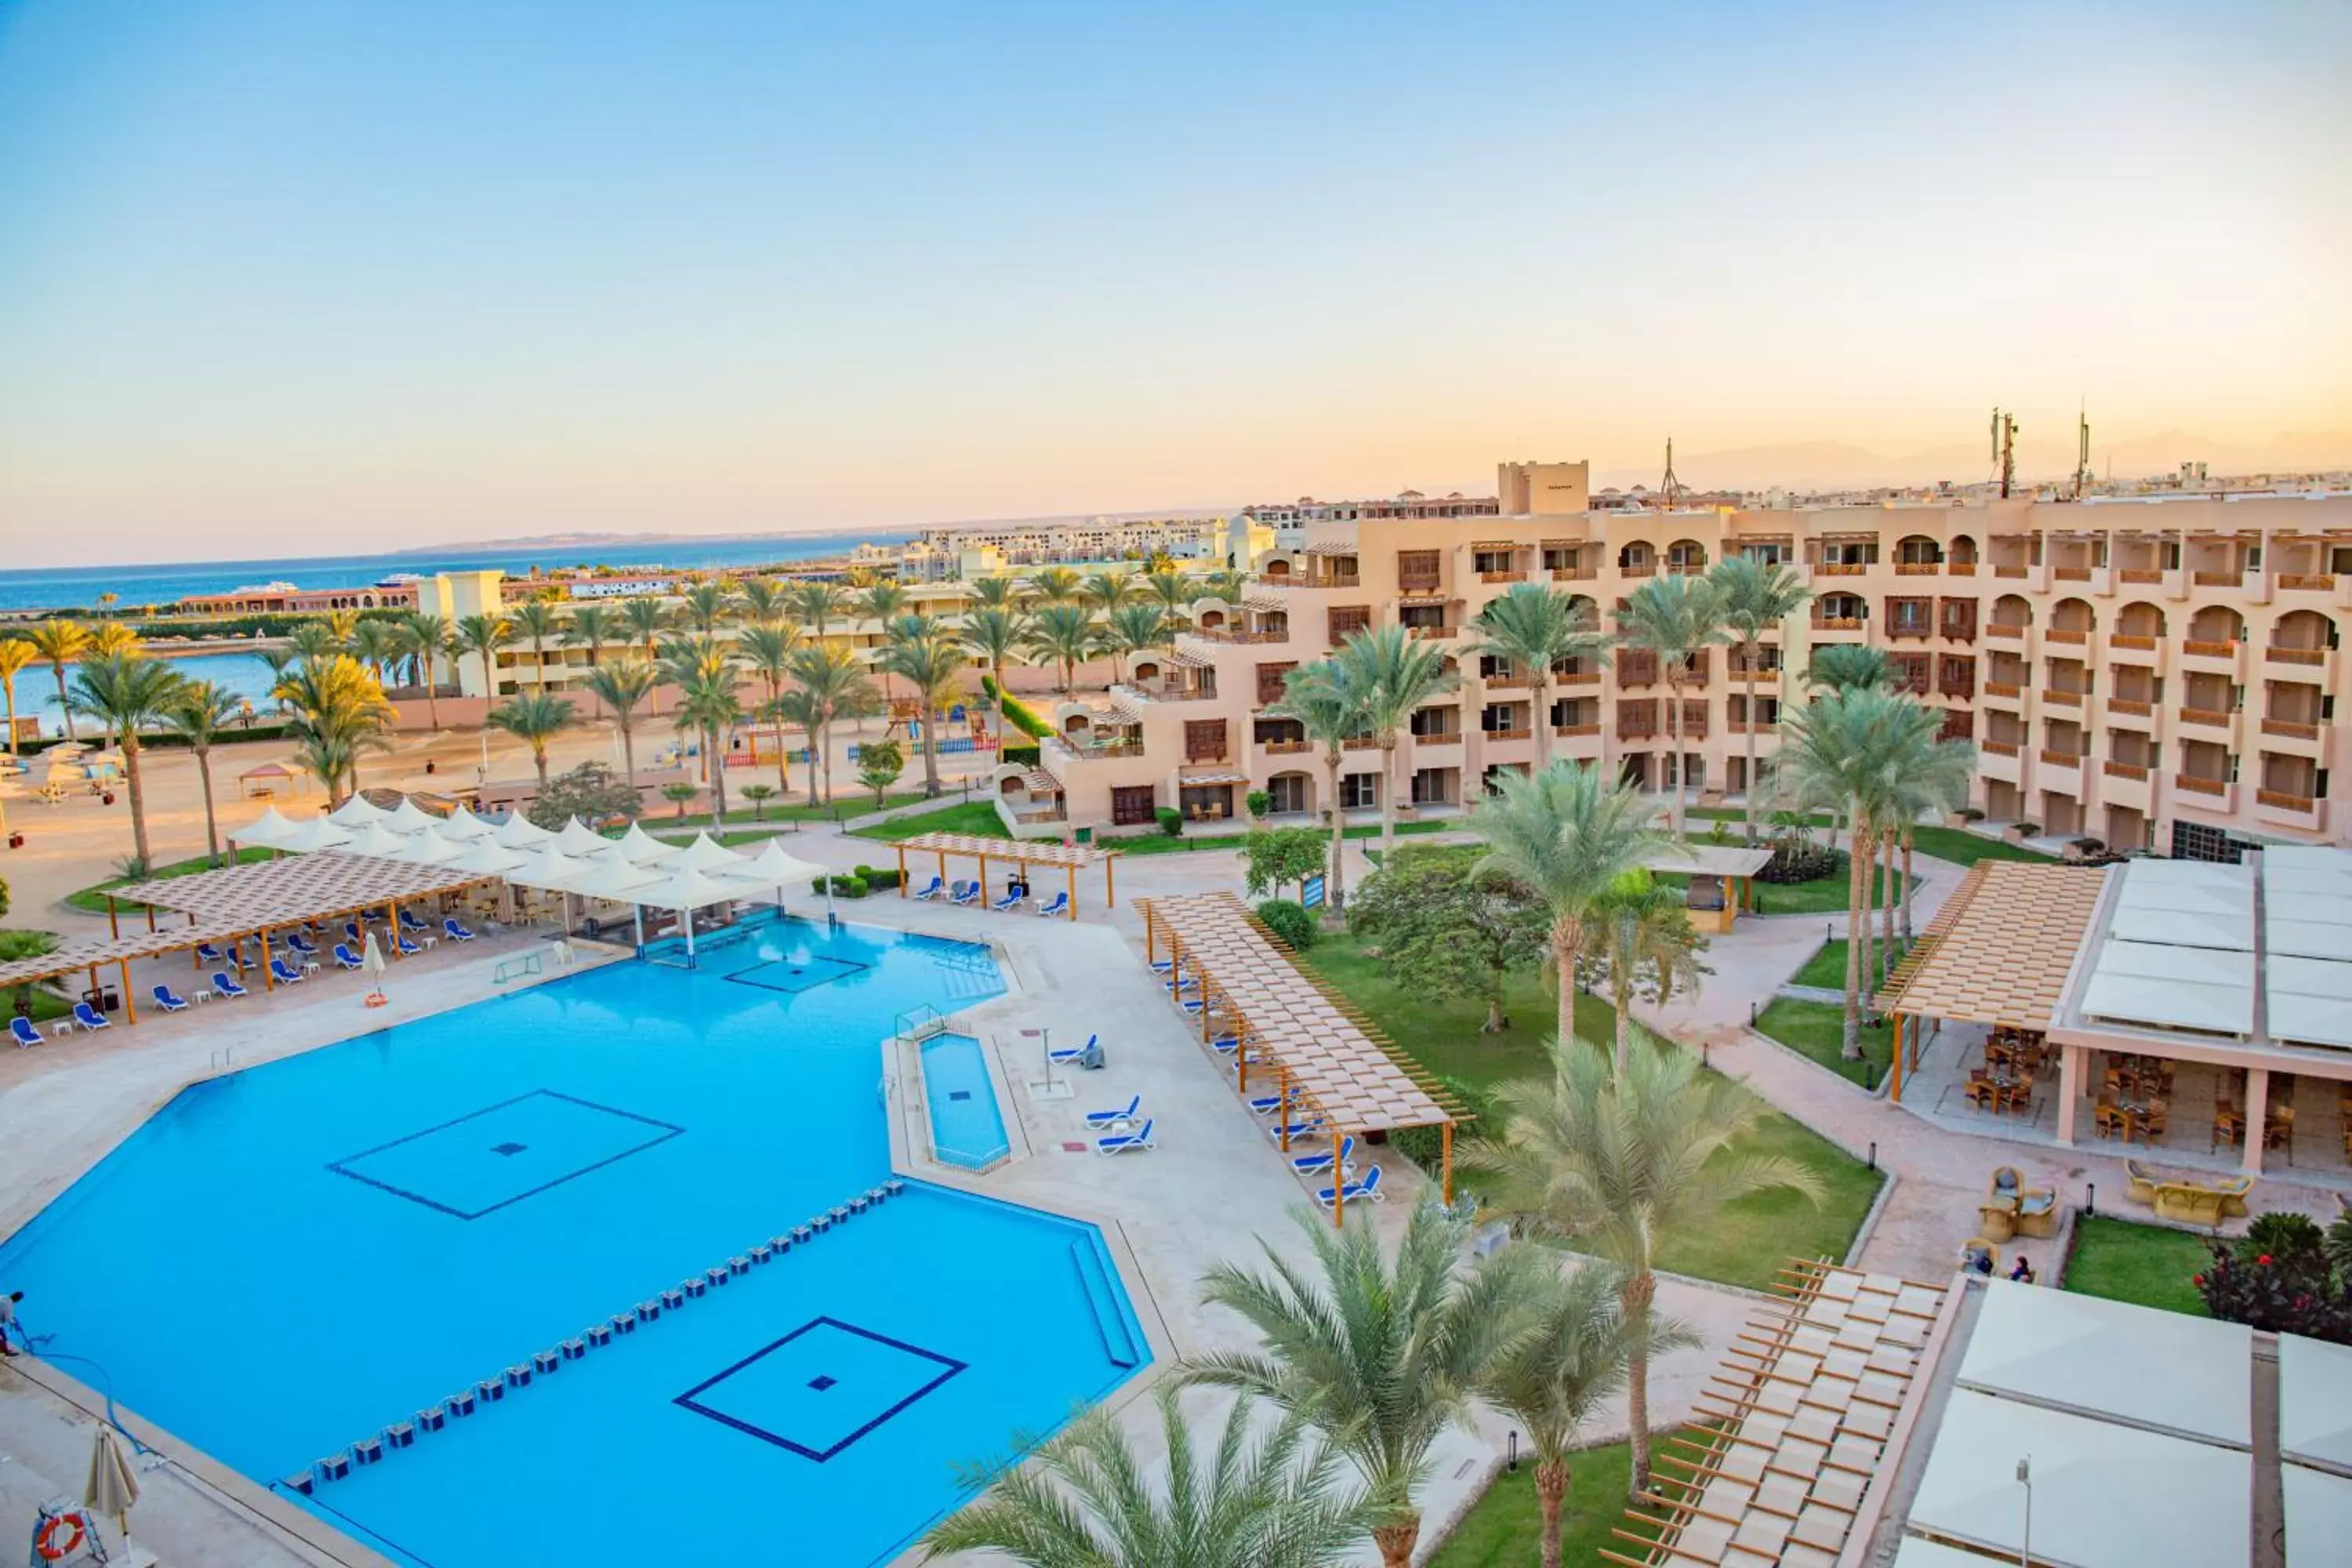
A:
1025	717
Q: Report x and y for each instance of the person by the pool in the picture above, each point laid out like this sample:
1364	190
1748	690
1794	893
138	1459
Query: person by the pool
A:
8	1320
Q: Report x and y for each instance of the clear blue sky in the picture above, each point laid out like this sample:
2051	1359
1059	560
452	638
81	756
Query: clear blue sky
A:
274	274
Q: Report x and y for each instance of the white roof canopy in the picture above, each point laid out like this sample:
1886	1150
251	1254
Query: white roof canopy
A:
577	837
548	869
707	853
410	818
462	826
685	888
2315	1402
489	859
2191	1375
772	867
270	830
640	847
611	877
2318	1508
519	832
357	812
315	834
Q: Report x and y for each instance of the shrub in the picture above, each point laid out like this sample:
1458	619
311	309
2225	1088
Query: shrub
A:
1289	922
1971	814
2285	1276
878	880
1025	717
1022	756
843	887
1170	820
1798	859
2026	829
1258	802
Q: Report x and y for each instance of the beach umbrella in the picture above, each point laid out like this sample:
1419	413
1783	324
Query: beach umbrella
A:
373	959
519	832
462	827
410	818
357	812
314	834
67	749
705	853
270	830
112	1487
578	839
641	848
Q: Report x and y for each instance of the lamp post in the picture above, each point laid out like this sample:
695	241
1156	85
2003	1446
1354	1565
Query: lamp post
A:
2025	1479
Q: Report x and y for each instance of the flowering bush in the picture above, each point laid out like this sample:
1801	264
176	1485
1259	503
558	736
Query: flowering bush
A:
2280	1278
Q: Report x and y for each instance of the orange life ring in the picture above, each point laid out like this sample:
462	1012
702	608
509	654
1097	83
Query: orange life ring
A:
53	1549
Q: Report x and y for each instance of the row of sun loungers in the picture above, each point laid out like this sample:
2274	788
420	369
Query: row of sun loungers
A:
967	894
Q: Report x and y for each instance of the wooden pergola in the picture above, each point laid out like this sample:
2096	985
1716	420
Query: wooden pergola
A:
1324	1053
1022	854
89	957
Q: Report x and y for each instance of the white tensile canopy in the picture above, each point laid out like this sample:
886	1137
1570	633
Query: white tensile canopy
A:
547	868
2318	1508
425	850
357	812
611	877
705	854
2193	1375
318	833
519	832
376	839
642	848
771	868
688	887
410	818
462	826
577	837
2315	1401
270	830
489	859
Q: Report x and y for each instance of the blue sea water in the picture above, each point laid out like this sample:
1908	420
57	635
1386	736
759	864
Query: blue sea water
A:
243	673
135	586
287	1260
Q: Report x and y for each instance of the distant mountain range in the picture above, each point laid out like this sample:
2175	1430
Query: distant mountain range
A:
1837	466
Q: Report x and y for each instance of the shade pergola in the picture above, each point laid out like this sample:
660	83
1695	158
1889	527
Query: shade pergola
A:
264	779
1023	854
1321	1050
89	957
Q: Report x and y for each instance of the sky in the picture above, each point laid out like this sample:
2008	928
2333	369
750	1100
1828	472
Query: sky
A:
290	277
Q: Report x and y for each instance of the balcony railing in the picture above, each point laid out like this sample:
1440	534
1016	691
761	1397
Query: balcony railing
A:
1575	732
2280	800
2141	574
1429	634
2294	728
2318	582
2064	699
1505	576
2004	688
2278	655
2067	634
1513	678
1574	574
2195	785
1960	568
1520	733
2116	769
2204	649
1420	586
2071	573
2132	706
2212	718
1108	748
1234	635
1837	623
1917	568
2004	629
2058	759
2217	579
2131	639
1999	748
1336	580
2009	570
1577	678
1286	748
1638	569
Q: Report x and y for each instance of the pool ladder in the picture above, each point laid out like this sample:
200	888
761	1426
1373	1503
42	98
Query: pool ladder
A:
379	1445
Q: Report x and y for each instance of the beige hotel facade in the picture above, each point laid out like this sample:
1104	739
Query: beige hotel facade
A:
2154	672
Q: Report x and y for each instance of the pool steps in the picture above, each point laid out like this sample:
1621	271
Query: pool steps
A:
376	1447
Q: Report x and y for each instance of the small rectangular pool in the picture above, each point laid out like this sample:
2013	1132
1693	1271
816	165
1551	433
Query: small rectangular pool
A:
967	1125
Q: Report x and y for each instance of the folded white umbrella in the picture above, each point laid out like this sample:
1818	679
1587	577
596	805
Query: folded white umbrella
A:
519	832
270	830
316	833
112	1486
358	812
373	956
578	839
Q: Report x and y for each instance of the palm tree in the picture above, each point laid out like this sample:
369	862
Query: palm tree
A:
1133	628
704	674
1171	591
1226	583
377	642
1262	1499
815	605
767	649
1569	833
998	634
535	720
485	635
62	643
1615	1163
881	604
761	602
426	638
17	655
127	695
113	639
341	624
1848	666
1639	937
538	621
1756	597
646	619
1384	1360
1838	752
1533	628
1933	779
1106	591
1319	698
1391	672
1675	616
339	714
313	640
704	606
1054	585
621	686
928	654
200	713
1065	635
996	593
1553	1380
831	684
592	626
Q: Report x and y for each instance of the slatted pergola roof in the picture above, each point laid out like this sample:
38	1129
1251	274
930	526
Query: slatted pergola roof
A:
270	893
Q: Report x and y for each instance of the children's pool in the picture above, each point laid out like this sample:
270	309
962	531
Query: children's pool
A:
284	1262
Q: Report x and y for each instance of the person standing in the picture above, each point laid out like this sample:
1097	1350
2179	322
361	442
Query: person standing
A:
8	1321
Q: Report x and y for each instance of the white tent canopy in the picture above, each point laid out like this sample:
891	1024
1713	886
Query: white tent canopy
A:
707	853
2166	1369
686	887
611	877
270	830
519	832
642	848
462	827
577	837
410	818
425	850
772	868
375	839
489	859
2315	1402
357	812
548	868
318	833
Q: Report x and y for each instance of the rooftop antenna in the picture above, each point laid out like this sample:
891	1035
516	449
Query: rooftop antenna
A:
1670	487
2004	449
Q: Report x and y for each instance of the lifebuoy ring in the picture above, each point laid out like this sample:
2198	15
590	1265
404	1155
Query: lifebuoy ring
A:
50	1547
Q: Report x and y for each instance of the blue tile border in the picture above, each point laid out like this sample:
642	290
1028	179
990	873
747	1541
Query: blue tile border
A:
668	1131
688	1399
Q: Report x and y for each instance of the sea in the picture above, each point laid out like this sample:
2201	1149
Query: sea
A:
136	586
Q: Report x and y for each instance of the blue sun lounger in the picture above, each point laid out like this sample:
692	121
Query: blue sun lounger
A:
410	922
302	944
1009	901
22	1027
345	957
224	987
1315	1164
89	1017
927	894
287	975
1268	1104
1307	1128
1369	1187
1125	1113
964	893
1119	1143
1070	1055
407	948
454	931
169	1002
1059	904
210	953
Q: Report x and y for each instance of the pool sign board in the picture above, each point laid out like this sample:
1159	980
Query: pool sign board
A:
1310	893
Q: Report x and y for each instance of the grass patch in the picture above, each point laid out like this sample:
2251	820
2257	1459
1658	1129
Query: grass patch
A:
1748	1240
856	804
1821	896
93	900
977	816
1826	968
1957	845
2143	1264
1817	1030
1505	1528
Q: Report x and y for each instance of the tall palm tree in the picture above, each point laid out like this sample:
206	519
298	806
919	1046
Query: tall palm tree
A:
339	714
341	624
1558	1377
426	637
1392	673
1264	1498
313	640
704	673
928	655
535	720
1226	583
1383	1359
377	643
816	604
881	604
1326	707
994	594
1639	937
113	639
766	648
127	695
998	634
705	606
1569	833
830	684
1756	597
538	623
1054	585
592	626
1106	591
1675	616
621	686
1849	666
485	635
1933	779
61	642
646	617
761	602
16	656
198	715
1615	1163
1171	591
1065	635
1131	628
1535	627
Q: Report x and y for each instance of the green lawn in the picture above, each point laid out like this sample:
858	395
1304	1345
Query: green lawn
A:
2144	1264
1817	1029
797	809
1827	967
1749	1241
1821	896
93	900
1504	1529
972	816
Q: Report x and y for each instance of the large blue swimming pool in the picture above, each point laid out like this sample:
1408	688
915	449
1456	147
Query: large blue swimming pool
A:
287	1260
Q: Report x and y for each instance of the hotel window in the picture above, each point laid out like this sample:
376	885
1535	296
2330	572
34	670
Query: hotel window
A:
1359	792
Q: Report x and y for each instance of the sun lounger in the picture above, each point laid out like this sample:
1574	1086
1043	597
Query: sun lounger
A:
410	922
454	931
407	948
22	1027
287	975
1059	904
1268	1104
1226	1045
89	1017
933	890
351	932
224	987
1162	965
1070	1053
210	953
1315	1164
169	1002
965	893
1118	1143
1369	1187
1008	902
301	944
345	957
1307	1128
1105	1118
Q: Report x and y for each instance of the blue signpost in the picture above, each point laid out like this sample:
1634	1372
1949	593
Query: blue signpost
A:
1310	893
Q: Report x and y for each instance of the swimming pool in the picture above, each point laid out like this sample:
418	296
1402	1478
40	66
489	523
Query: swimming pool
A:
287	1260
967	1126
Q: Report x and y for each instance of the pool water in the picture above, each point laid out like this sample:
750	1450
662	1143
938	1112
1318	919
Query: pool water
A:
967	1127
286	1260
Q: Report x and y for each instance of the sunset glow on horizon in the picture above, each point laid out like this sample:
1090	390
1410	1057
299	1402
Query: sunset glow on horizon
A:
278	278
